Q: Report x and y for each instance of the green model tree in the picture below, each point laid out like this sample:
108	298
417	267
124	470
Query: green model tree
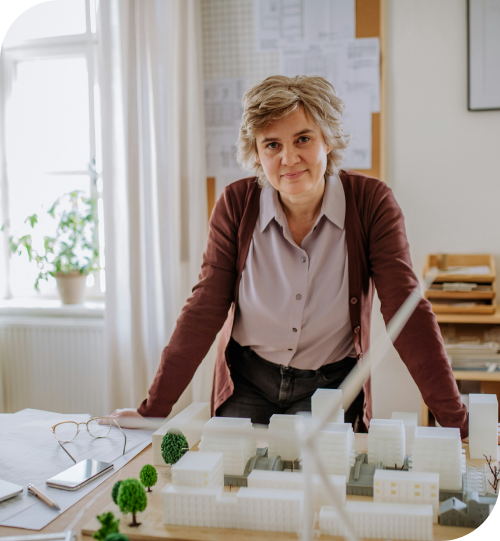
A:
173	446
117	537
114	492
132	498
148	476
109	525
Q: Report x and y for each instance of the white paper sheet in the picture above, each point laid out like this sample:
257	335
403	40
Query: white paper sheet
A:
278	23
223	112
357	120
329	20
281	23
351	66
30	454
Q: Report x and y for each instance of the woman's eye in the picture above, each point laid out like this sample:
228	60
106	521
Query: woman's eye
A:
272	146
303	139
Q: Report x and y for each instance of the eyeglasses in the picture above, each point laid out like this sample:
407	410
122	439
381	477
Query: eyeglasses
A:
97	427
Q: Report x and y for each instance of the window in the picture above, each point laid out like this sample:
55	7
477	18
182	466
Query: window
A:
52	128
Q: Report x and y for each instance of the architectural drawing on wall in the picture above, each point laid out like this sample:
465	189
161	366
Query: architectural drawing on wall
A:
281	23
223	111
357	120
351	66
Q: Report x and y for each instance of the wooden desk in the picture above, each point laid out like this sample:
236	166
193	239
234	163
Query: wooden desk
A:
78	516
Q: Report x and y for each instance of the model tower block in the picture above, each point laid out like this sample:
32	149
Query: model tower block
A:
337	448
295	481
232	436
197	469
386	442
189	421
323	399
393	486
380	520
439	450
283	425
410	421
483	426
270	509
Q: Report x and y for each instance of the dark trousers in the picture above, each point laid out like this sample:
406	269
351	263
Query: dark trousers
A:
263	388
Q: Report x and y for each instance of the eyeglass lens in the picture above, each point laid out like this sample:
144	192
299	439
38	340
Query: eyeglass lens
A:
99	428
66	431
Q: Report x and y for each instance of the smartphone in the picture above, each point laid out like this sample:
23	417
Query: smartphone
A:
79	475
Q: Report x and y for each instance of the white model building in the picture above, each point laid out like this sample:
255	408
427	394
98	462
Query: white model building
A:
295	481
323	399
189	421
203	507
271	510
393	486
283	425
483	426
219	436
198	469
336	447
410	421
439	450
380	520
386	442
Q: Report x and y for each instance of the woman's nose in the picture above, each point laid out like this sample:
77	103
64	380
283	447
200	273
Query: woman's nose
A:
290	156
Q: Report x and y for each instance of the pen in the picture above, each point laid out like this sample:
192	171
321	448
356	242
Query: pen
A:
41	496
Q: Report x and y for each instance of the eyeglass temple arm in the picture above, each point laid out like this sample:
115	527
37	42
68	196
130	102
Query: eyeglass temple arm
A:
124	435
66	451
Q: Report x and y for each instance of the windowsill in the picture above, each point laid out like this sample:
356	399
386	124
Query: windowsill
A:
33	307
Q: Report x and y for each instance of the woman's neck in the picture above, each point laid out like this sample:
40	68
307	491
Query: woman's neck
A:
304	207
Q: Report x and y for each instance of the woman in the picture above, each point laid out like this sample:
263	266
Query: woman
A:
288	273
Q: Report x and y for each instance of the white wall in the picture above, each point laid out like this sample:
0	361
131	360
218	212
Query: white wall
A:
443	161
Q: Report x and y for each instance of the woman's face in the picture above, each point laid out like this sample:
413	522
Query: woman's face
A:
292	152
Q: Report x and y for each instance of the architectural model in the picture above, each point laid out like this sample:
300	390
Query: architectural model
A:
393	486
198	469
295	481
336	447
283	425
238	447
323	399
470	513
380	520
199	412
439	450
483	426
360	482
410	421
386	442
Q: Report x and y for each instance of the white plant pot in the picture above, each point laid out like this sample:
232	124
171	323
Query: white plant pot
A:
71	287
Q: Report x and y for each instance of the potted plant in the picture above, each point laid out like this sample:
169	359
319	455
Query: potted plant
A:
72	253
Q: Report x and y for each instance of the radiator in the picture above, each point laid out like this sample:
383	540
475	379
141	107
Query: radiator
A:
55	364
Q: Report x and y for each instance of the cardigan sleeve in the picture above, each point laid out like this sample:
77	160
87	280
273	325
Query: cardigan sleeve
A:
202	316
419	344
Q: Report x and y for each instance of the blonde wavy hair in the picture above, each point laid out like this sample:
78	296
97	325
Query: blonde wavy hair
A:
278	96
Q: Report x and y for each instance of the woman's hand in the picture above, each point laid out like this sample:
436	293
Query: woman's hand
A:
128	418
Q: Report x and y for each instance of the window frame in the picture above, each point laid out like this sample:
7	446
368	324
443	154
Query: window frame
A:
68	46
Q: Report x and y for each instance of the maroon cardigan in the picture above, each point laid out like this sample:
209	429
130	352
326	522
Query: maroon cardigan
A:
378	255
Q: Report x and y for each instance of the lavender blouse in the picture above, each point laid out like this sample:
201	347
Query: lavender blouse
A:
293	301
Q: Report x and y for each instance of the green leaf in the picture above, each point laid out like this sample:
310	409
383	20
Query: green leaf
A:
33	219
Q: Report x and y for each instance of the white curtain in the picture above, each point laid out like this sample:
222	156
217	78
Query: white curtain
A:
153	169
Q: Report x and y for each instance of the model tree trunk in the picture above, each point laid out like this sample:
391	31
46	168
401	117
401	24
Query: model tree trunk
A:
134	521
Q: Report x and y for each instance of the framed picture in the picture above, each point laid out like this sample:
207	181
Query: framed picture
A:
483	28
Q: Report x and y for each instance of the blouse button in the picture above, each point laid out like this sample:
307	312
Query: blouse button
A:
357	329
294	329
303	259
354	300
298	297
